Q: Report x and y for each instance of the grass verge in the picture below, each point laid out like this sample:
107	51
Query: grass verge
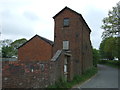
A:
76	80
111	63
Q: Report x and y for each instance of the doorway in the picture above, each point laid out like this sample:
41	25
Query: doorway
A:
67	68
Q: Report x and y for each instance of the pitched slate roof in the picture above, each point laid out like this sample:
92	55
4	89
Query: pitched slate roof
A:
73	12
46	40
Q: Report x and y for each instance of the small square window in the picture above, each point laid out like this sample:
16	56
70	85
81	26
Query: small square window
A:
66	22
65	45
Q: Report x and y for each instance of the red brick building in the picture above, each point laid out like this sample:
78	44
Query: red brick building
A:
43	62
36	49
72	37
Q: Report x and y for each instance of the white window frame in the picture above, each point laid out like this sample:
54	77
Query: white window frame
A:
65	45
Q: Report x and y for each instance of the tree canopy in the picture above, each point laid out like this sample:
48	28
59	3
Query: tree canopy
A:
96	56
18	43
111	24
109	48
9	48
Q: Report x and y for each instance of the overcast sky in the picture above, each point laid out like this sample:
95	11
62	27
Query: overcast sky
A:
25	18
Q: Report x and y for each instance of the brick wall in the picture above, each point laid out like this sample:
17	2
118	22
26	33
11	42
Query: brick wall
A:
57	69
26	75
87	49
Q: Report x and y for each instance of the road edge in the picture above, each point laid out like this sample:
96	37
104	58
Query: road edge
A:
80	84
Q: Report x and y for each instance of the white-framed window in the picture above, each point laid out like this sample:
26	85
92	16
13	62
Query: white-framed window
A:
65	45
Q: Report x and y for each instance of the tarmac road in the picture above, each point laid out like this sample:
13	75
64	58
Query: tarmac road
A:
107	77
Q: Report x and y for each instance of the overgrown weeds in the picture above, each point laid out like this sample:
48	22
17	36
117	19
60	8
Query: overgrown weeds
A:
76	80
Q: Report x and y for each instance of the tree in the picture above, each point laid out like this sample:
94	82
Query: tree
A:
7	52
9	48
109	47
101	49
111	24
118	47
16	44
6	42
95	57
4	47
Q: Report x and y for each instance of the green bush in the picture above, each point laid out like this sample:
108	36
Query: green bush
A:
110	63
96	57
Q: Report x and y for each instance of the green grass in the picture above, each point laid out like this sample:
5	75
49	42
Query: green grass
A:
112	63
76	80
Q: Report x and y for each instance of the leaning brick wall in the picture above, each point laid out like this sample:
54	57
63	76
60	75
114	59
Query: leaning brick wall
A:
26	75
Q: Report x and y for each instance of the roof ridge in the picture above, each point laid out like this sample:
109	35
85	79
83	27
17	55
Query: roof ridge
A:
75	13
45	39
66	7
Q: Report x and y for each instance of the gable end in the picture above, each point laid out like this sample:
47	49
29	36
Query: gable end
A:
75	13
44	39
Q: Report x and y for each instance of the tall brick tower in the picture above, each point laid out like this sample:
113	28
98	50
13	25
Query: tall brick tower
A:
72	34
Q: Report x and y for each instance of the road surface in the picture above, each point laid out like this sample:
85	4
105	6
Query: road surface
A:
107	77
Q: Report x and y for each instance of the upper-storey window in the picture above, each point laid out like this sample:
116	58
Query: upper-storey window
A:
66	22
65	45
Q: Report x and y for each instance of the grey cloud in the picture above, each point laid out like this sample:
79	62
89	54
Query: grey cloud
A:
94	19
16	25
16	28
6	14
31	16
12	4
